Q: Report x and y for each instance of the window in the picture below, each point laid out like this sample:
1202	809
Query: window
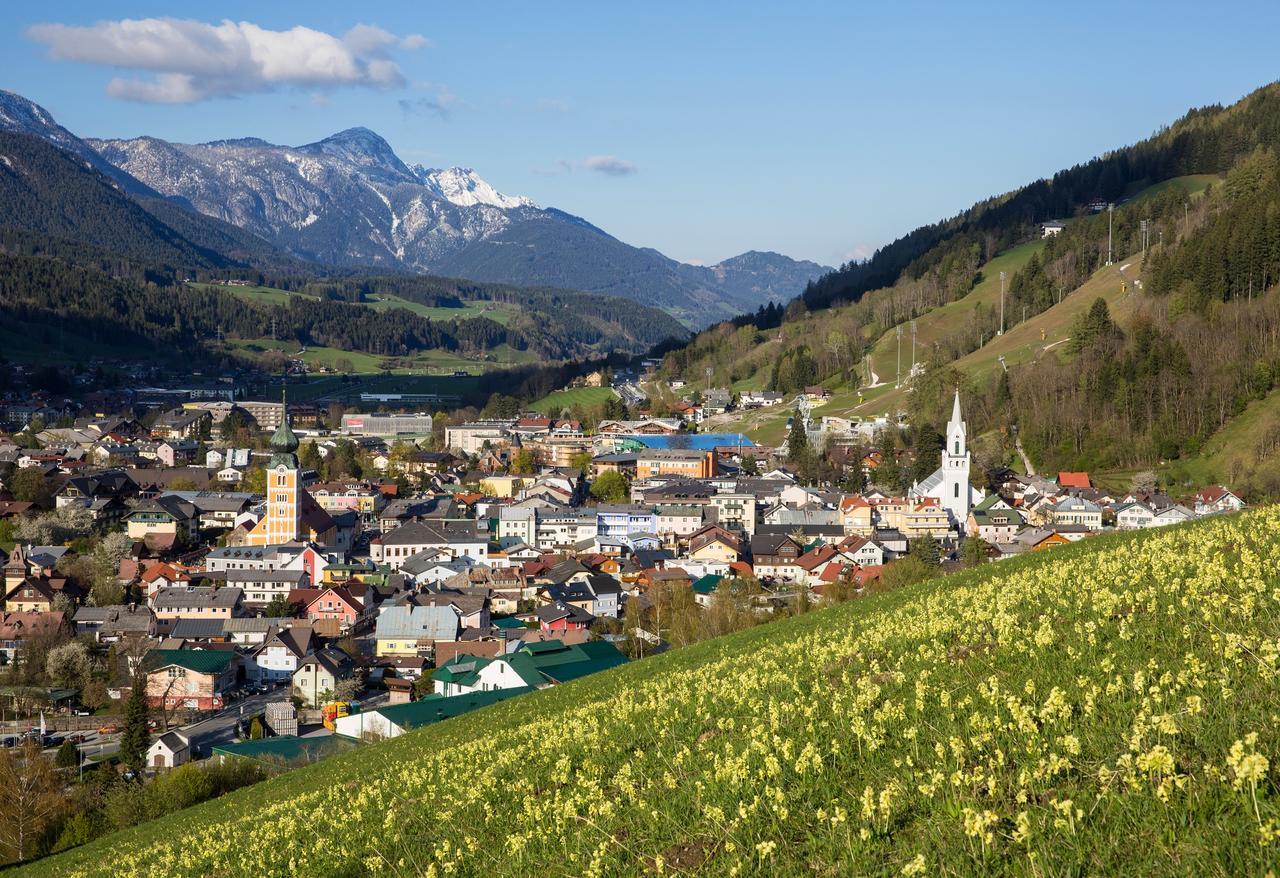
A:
957	487
957	446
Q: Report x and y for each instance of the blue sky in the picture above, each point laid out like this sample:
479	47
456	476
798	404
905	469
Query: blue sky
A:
819	130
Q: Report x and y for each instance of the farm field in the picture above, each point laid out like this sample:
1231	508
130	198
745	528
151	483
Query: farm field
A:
1101	708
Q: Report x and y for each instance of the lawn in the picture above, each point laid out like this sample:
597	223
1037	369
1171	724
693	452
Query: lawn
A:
1104	708
554	403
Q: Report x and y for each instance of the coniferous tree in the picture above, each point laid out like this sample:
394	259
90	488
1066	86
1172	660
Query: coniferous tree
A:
134	737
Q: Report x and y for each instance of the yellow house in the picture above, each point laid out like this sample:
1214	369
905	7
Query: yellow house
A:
856	516
714	544
499	485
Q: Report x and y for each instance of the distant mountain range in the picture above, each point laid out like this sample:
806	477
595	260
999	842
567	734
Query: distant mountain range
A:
349	201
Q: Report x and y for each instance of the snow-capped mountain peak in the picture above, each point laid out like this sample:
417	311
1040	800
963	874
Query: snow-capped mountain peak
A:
465	188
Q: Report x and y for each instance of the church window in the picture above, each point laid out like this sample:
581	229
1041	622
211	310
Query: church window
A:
957	487
957	446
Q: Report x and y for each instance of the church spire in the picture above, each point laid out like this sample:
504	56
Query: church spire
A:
283	441
955	409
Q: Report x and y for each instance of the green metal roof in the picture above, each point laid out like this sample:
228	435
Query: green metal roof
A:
433	709
708	583
203	661
285	748
510	623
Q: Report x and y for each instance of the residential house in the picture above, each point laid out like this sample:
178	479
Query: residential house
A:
279	655
195	602
1215	499
18	628
1077	510
1134	515
163	523
318	675
408	540
994	521
197	679
533	666
410	630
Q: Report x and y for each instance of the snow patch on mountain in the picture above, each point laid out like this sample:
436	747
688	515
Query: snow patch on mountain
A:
465	188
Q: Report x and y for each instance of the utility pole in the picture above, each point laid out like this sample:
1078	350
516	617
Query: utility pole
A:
708	371
1110	208
913	347
273	329
1002	277
898	331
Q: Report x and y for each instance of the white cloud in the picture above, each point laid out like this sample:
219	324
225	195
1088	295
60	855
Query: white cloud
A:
609	164
415	41
192	60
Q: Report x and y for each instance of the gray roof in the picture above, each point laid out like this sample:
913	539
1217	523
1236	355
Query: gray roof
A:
196	629
421	533
180	596
420	623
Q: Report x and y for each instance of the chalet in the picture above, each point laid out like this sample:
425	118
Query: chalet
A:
994	521
279	655
17	628
165	522
775	555
1076	510
1217	499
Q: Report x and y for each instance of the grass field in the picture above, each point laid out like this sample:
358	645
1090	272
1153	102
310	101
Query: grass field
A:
1233	450
1192	185
259	295
554	403
1105	708
496	311
1045	334
934	325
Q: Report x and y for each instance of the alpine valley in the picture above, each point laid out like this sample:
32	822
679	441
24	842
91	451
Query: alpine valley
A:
349	201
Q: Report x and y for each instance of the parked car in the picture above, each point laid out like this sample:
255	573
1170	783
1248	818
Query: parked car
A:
8	741
77	738
108	729
56	740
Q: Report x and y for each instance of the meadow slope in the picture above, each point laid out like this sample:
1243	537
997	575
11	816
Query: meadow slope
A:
1106	708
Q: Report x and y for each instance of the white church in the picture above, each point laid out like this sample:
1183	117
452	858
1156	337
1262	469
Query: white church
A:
949	485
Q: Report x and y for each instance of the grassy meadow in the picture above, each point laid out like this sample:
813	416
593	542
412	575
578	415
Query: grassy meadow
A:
1106	708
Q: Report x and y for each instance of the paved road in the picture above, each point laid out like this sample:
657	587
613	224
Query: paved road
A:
221	727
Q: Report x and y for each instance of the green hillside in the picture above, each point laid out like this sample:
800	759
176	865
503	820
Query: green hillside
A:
554	403
1103	708
939	322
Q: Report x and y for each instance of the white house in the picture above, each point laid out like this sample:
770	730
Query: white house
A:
1133	516
1175	514
279	655
1215	499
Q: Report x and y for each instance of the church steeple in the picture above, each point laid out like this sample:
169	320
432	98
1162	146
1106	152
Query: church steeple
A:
956	492
284	444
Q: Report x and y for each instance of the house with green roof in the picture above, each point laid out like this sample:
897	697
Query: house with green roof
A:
192	678
705	587
394	720
283	751
994	521
534	665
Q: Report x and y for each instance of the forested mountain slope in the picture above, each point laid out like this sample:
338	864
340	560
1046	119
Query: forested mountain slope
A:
1188	350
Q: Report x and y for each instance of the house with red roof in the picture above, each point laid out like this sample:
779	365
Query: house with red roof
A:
1216	499
1074	480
